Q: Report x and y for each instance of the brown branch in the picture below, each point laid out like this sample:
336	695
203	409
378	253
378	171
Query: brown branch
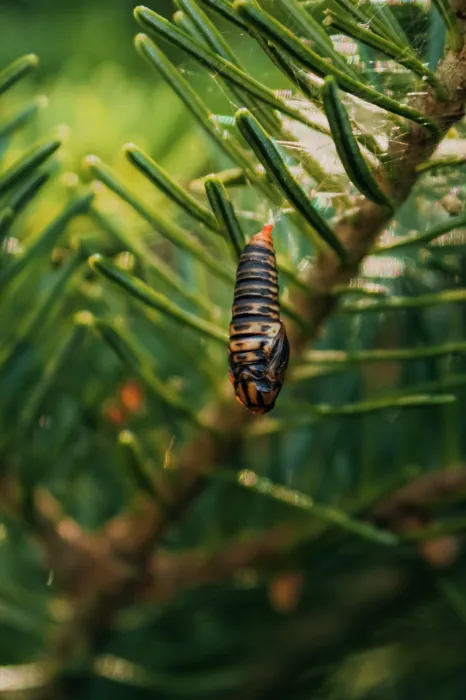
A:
409	512
419	495
81	562
95	574
87	562
400	512
171	574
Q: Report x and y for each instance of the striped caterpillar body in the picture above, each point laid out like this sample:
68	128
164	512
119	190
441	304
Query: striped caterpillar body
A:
258	351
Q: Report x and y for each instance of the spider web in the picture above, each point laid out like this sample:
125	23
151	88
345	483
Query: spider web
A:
380	73
421	25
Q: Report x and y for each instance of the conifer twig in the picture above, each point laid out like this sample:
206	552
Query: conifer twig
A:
358	233
127	544
359	230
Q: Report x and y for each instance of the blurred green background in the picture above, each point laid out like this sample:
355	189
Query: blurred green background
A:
97	87
75	36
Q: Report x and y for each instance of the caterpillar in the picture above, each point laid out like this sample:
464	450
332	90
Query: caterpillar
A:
258	350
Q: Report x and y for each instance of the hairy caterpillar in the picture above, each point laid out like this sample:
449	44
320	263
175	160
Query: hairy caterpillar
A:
258	350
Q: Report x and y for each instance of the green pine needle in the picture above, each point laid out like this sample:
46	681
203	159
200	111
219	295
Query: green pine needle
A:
17	70
141	291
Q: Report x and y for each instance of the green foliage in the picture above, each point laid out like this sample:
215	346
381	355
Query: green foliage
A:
224	212
347	147
275	568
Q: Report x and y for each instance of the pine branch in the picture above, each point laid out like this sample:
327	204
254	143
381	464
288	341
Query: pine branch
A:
104	572
126	546
359	229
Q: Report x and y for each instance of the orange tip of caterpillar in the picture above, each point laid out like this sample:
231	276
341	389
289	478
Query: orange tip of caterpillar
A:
267	232
264	235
